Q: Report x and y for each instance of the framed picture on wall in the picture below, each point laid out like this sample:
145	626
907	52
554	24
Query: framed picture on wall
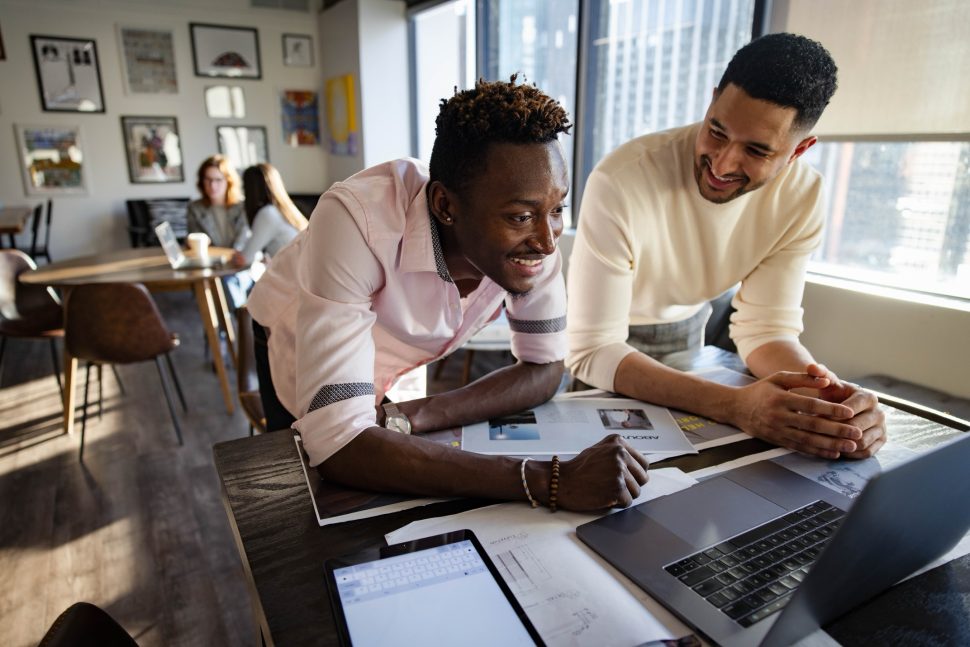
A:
300	117
153	149
298	50
243	145
52	160
148	61
68	74
218	50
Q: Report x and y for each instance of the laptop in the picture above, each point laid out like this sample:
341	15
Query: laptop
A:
176	257
761	555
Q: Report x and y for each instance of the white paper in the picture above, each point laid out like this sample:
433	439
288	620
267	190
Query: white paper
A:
571	595
568	426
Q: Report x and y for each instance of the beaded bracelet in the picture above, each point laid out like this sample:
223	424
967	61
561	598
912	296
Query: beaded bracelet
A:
525	484
554	484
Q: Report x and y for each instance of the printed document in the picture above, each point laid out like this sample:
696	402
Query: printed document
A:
571	595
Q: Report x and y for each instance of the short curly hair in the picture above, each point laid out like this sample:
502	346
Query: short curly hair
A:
786	69
490	112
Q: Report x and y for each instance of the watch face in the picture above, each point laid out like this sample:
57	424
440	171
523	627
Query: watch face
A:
398	423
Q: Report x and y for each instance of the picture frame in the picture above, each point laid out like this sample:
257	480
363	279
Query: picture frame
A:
244	146
52	159
68	73
298	50
148	60
153	149
224	51
300	117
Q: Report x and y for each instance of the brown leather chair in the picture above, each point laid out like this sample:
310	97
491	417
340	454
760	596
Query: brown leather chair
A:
247	382
28	311
119	323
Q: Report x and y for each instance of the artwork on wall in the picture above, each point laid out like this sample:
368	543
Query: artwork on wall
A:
153	150
68	74
243	145
218	50
225	102
301	117
148	58
297	50
342	116
52	159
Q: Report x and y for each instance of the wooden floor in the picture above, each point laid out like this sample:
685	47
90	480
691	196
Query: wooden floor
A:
139	528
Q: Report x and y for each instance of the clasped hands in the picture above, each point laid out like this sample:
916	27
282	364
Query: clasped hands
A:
843	420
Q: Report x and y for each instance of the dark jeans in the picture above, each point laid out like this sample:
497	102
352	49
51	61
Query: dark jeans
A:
277	416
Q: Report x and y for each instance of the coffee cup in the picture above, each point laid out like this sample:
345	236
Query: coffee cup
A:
199	245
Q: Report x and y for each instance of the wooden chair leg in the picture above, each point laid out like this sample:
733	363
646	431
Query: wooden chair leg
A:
168	400
121	386
100	391
57	367
84	411
175	378
467	369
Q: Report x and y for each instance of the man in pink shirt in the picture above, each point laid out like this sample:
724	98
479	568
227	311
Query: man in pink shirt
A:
399	267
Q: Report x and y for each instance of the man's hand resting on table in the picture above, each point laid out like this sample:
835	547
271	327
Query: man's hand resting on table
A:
607	475
844	420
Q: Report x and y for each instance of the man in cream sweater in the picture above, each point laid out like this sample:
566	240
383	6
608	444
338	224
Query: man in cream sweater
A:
673	219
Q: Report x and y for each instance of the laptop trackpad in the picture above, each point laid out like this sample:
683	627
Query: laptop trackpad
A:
711	511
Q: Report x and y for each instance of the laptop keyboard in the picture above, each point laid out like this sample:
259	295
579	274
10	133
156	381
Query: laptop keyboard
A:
753	575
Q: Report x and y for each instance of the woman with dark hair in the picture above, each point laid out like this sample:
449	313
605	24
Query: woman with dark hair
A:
219	213
270	213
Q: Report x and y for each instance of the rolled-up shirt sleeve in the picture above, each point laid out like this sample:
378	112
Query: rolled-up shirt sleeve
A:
537	320
334	344
600	286
769	300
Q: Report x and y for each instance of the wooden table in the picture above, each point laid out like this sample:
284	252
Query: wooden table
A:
13	220
283	549
150	267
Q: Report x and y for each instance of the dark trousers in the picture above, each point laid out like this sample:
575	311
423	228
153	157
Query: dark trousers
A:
277	416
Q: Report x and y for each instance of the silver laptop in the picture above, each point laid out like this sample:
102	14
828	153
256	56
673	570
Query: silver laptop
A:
761	555
173	251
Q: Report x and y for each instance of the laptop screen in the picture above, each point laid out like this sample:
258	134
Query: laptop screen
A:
166	236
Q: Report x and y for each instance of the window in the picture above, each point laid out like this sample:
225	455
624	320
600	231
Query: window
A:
652	65
538	39
898	214
443	58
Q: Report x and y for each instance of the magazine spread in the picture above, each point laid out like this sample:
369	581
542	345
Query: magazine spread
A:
567	426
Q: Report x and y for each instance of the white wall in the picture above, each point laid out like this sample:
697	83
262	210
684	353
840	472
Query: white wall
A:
339	55
368	38
97	221
860	333
384	81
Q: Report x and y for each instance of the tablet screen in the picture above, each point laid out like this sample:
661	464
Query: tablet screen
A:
442	595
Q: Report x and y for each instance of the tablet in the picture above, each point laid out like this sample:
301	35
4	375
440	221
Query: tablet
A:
441	590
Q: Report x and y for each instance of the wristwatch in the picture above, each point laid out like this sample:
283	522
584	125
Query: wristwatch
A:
395	420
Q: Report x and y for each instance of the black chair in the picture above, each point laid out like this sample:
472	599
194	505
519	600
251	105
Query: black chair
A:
119	323
37	247
28	311
145	214
85	625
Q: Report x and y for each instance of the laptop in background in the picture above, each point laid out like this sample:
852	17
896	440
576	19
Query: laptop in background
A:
761	555
173	251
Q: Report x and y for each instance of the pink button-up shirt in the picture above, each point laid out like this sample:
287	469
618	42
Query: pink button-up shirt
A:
363	295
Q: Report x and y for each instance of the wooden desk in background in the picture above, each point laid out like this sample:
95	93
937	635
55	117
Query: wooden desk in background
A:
283	549
13	220
150	267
